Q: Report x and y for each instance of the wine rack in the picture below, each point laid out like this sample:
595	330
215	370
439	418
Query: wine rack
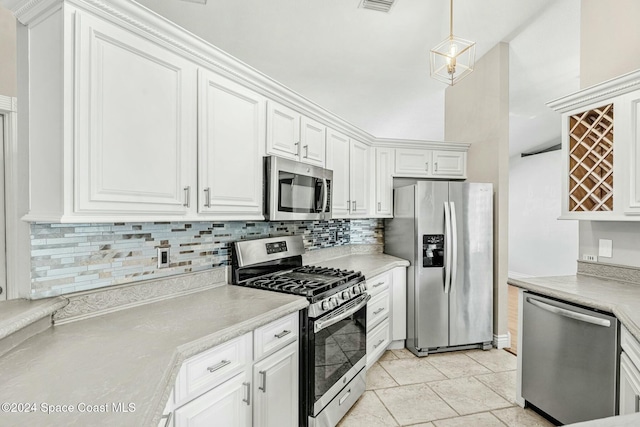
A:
591	160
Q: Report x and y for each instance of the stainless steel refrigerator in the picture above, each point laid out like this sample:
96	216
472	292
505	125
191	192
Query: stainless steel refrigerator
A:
445	229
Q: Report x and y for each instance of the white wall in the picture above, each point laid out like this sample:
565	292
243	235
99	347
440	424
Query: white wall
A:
612	29
539	243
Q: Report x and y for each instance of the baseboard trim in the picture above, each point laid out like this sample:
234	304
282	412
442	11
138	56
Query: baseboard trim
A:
502	341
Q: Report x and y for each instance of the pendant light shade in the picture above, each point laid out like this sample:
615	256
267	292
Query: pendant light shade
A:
454	58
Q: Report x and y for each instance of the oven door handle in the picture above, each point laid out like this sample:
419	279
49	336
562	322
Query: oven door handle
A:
339	315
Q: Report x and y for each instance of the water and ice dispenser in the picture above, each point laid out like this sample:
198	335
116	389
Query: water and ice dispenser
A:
433	250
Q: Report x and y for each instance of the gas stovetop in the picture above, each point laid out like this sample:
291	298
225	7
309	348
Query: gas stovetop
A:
308	281
275	264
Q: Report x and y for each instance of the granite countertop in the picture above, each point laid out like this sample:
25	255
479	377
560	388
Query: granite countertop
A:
130	356
617	297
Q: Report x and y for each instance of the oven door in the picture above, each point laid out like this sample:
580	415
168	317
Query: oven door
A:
338	343
296	191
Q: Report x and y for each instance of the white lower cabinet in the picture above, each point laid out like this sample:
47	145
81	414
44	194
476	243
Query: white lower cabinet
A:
228	386
629	374
275	389
226	405
377	342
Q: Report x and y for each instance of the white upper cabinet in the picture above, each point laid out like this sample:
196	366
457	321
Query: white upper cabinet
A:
231	122
383	200
283	131
427	163
601	151
449	164
349	160
412	162
360	179
338	162
294	136
312	142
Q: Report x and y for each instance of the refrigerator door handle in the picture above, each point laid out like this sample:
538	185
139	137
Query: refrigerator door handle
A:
447	247
453	265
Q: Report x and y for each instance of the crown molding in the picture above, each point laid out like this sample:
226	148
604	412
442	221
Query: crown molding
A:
599	92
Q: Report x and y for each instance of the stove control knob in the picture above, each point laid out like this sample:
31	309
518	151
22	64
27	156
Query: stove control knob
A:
326	304
363	287
355	290
346	295
334	302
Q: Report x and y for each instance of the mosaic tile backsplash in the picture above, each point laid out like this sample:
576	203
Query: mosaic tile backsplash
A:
75	257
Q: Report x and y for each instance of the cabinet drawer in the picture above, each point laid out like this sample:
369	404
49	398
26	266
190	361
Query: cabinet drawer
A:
378	283
377	309
210	368
630	345
377	341
275	335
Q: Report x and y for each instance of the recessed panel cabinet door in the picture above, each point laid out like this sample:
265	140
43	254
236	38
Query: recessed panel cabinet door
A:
135	133
360	178
283	131
338	162
275	380
230	139
312	141
226	405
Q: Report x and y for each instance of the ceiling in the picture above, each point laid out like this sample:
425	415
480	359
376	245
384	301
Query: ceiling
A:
372	68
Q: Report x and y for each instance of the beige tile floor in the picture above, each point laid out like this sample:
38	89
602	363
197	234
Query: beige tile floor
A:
459	389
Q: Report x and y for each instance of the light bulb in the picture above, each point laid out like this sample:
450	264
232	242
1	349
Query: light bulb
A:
451	58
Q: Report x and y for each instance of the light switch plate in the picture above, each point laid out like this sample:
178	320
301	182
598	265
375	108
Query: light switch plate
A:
605	248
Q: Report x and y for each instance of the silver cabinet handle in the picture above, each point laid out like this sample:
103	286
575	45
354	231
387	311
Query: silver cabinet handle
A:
435	167
282	334
569	313
297	151
167	417
263	387
247	400
207	197
426	166
378	284
379	206
378	311
306	150
218	366
354	205
187	196
378	345
349	205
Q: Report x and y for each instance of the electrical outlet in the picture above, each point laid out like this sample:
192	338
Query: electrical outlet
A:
586	257
163	257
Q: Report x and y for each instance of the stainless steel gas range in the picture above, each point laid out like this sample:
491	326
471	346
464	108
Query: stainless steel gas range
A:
332	329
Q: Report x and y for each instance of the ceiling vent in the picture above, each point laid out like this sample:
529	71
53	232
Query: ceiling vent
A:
379	5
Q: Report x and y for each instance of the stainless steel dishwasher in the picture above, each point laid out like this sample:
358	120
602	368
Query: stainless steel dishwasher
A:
569	360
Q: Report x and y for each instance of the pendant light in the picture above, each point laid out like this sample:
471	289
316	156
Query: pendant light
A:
454	58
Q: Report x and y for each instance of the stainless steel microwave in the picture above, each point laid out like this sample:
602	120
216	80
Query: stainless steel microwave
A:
296	191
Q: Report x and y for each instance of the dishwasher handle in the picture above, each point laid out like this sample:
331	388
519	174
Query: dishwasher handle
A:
569	313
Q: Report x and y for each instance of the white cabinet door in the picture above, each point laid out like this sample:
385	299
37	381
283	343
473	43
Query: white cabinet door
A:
136	121
627	110
338	162
312	142
384	183
283	131
629	386
275	381
359	179
231	123
412	162
226	405
449	164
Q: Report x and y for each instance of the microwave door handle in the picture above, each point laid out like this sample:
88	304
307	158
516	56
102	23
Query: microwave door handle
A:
333	319
325	194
